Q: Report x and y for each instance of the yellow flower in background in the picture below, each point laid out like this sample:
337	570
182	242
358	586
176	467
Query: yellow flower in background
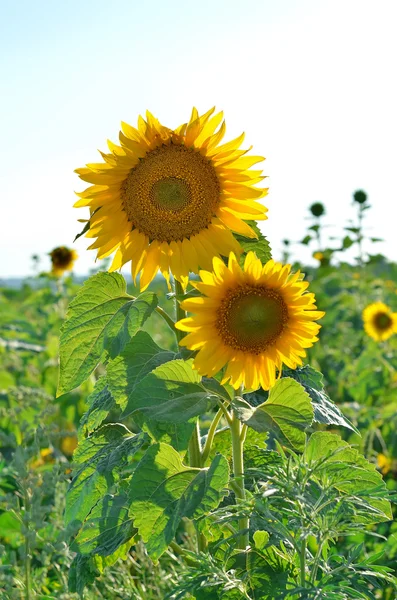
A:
46	457
62	259
318	256
252	319
379	321
384	463
169	199
69	444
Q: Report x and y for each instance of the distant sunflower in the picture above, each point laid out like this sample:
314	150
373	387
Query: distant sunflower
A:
62	259
170	199
252	319
379	321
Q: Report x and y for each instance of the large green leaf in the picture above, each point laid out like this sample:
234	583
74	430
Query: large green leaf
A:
101	402
325	411
107	527
99	460
101	317
163	491
287	412
140	356
260	245
167	401
343	467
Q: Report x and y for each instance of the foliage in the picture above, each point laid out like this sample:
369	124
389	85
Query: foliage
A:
147	516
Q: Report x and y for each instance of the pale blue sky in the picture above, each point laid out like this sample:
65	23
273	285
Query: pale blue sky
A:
311	82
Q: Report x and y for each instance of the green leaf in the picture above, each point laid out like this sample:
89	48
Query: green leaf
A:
83	571
166	402
325	411
101	402
107	527
306	240
347	242
261	538
127	321
140	356
99	460
343	467
101	317
287	412
260	245
163	491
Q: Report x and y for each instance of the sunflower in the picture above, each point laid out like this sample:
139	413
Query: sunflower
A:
379	321
169	199
62	259
252	319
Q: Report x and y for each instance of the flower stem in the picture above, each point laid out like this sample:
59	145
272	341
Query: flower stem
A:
179	312
195	456
211	435
238	470
302	559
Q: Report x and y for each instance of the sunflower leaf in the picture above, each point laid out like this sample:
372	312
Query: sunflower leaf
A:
167	402
325	411
100	402
287	413
102	317
260	245
163	491
99	460
139	357
344	468
107	527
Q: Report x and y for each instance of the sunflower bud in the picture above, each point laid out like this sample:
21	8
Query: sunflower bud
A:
360	196
317	209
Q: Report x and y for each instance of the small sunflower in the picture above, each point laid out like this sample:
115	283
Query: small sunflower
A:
169	199
252	319
379	321
62	259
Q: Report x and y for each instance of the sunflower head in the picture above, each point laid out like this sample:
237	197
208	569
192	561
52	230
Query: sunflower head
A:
62	259
379	321
251	319
169	200
317	209
360	197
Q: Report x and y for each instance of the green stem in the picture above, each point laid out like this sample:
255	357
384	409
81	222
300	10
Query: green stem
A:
189	560
238	470
195	457
27	552
179	312
211	435
302	559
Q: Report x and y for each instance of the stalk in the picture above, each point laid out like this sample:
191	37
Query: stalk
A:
195	456
302	560
27	551
238	469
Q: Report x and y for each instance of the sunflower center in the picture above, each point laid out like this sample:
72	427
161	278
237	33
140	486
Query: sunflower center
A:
61	257
173	193
251	318
170	193
382	321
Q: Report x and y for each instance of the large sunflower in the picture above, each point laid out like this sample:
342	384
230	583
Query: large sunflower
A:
252	319
170	199
379	321
62	259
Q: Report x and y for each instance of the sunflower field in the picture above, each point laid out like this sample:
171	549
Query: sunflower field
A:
213	423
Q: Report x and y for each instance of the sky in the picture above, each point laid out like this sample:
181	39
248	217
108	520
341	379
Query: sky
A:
311	82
